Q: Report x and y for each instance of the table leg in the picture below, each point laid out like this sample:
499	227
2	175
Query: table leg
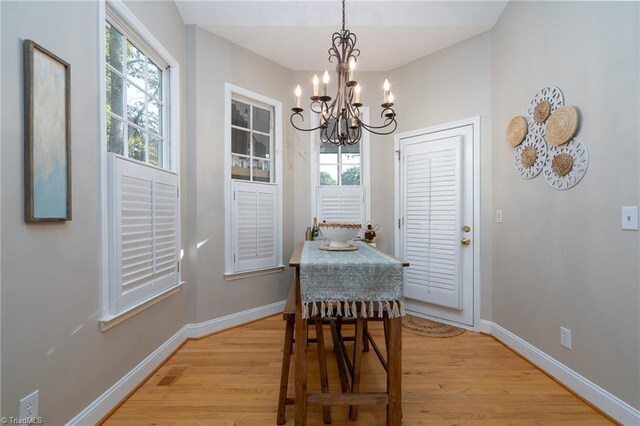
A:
357	366
324	377
301	360
394	373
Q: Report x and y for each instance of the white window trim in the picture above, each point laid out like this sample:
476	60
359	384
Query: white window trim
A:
117	7
229	91
365	166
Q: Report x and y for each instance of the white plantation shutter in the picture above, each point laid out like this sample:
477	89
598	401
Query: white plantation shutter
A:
254	226
341	204
144	237
432	189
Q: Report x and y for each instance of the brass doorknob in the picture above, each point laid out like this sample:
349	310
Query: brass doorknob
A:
465	241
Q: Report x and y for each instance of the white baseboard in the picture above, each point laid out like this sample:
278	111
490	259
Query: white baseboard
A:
228	321
119	391
599	397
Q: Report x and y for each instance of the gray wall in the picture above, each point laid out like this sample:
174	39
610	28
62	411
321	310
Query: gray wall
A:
560	258
212	61
50	334
449	85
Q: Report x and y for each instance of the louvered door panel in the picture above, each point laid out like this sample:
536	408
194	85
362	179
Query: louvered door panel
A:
432	191
341	204
144	231
254	225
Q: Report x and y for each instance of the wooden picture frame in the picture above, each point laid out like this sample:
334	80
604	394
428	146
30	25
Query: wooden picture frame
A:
47	119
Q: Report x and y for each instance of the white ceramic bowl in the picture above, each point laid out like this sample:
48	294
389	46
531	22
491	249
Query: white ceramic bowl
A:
339	234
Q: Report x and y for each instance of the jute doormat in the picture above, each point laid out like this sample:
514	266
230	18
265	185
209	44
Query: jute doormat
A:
425	327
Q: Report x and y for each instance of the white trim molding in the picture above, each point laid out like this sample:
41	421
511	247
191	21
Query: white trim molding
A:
123	387
196	331
585	388
110	399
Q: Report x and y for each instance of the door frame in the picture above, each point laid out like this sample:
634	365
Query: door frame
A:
475	123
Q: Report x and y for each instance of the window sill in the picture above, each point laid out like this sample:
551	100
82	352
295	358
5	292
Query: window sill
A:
233	276
110	321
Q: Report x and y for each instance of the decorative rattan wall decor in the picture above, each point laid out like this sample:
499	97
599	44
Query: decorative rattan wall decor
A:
545	141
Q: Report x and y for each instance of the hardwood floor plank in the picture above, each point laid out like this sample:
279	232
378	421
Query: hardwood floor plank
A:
232	378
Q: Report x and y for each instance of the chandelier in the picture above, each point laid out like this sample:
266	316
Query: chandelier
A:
340	117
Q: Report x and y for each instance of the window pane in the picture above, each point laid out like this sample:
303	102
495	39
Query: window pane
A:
239	114
240	142
261	120
328	175
350	175
136	144
155	150
115	93
240	168
135	105
136	65
115	135
154	80
114	47
350	154
154	116
262	170
261	146
328	153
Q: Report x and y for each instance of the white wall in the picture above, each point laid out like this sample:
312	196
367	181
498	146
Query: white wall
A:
560	258
212	61
51	340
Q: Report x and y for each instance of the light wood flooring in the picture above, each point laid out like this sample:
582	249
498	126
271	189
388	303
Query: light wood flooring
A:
232	378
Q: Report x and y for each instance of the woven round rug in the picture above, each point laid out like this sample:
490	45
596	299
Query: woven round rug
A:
428	328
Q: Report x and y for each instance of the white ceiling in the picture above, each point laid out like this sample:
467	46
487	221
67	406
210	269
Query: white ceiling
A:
297	33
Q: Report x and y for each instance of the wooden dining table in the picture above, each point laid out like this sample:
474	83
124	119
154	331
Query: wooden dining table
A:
392	397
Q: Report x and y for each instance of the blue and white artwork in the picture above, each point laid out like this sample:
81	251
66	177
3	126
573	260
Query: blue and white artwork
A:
49	150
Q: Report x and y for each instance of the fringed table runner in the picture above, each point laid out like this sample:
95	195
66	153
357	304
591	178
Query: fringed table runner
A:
341	283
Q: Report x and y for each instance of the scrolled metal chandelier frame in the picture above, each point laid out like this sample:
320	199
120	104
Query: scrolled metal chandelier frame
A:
340	117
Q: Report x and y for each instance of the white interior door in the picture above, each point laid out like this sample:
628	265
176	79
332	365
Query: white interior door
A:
436	235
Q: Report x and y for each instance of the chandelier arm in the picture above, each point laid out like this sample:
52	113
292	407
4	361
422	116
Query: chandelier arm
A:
373	130
302	118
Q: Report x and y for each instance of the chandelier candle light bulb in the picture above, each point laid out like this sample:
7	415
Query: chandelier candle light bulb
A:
356	98
298	93
325	83
340	117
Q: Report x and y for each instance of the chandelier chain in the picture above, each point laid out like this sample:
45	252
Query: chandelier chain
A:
343	14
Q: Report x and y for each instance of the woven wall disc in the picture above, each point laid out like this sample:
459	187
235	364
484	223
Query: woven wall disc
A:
552	96
562	164
516	131
561	172
541	112
530	156
562	125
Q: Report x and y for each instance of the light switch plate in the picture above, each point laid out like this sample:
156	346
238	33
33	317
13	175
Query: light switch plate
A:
499	216
630	218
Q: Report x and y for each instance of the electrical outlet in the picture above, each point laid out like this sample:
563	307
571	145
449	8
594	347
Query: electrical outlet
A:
499	216
565	337
29	408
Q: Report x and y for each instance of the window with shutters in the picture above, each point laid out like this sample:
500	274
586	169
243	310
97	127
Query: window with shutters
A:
340	181
254	181
141	225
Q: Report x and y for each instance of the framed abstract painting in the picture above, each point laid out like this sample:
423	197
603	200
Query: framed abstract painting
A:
47	135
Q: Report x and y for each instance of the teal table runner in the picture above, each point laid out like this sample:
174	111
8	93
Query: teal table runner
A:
342	283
